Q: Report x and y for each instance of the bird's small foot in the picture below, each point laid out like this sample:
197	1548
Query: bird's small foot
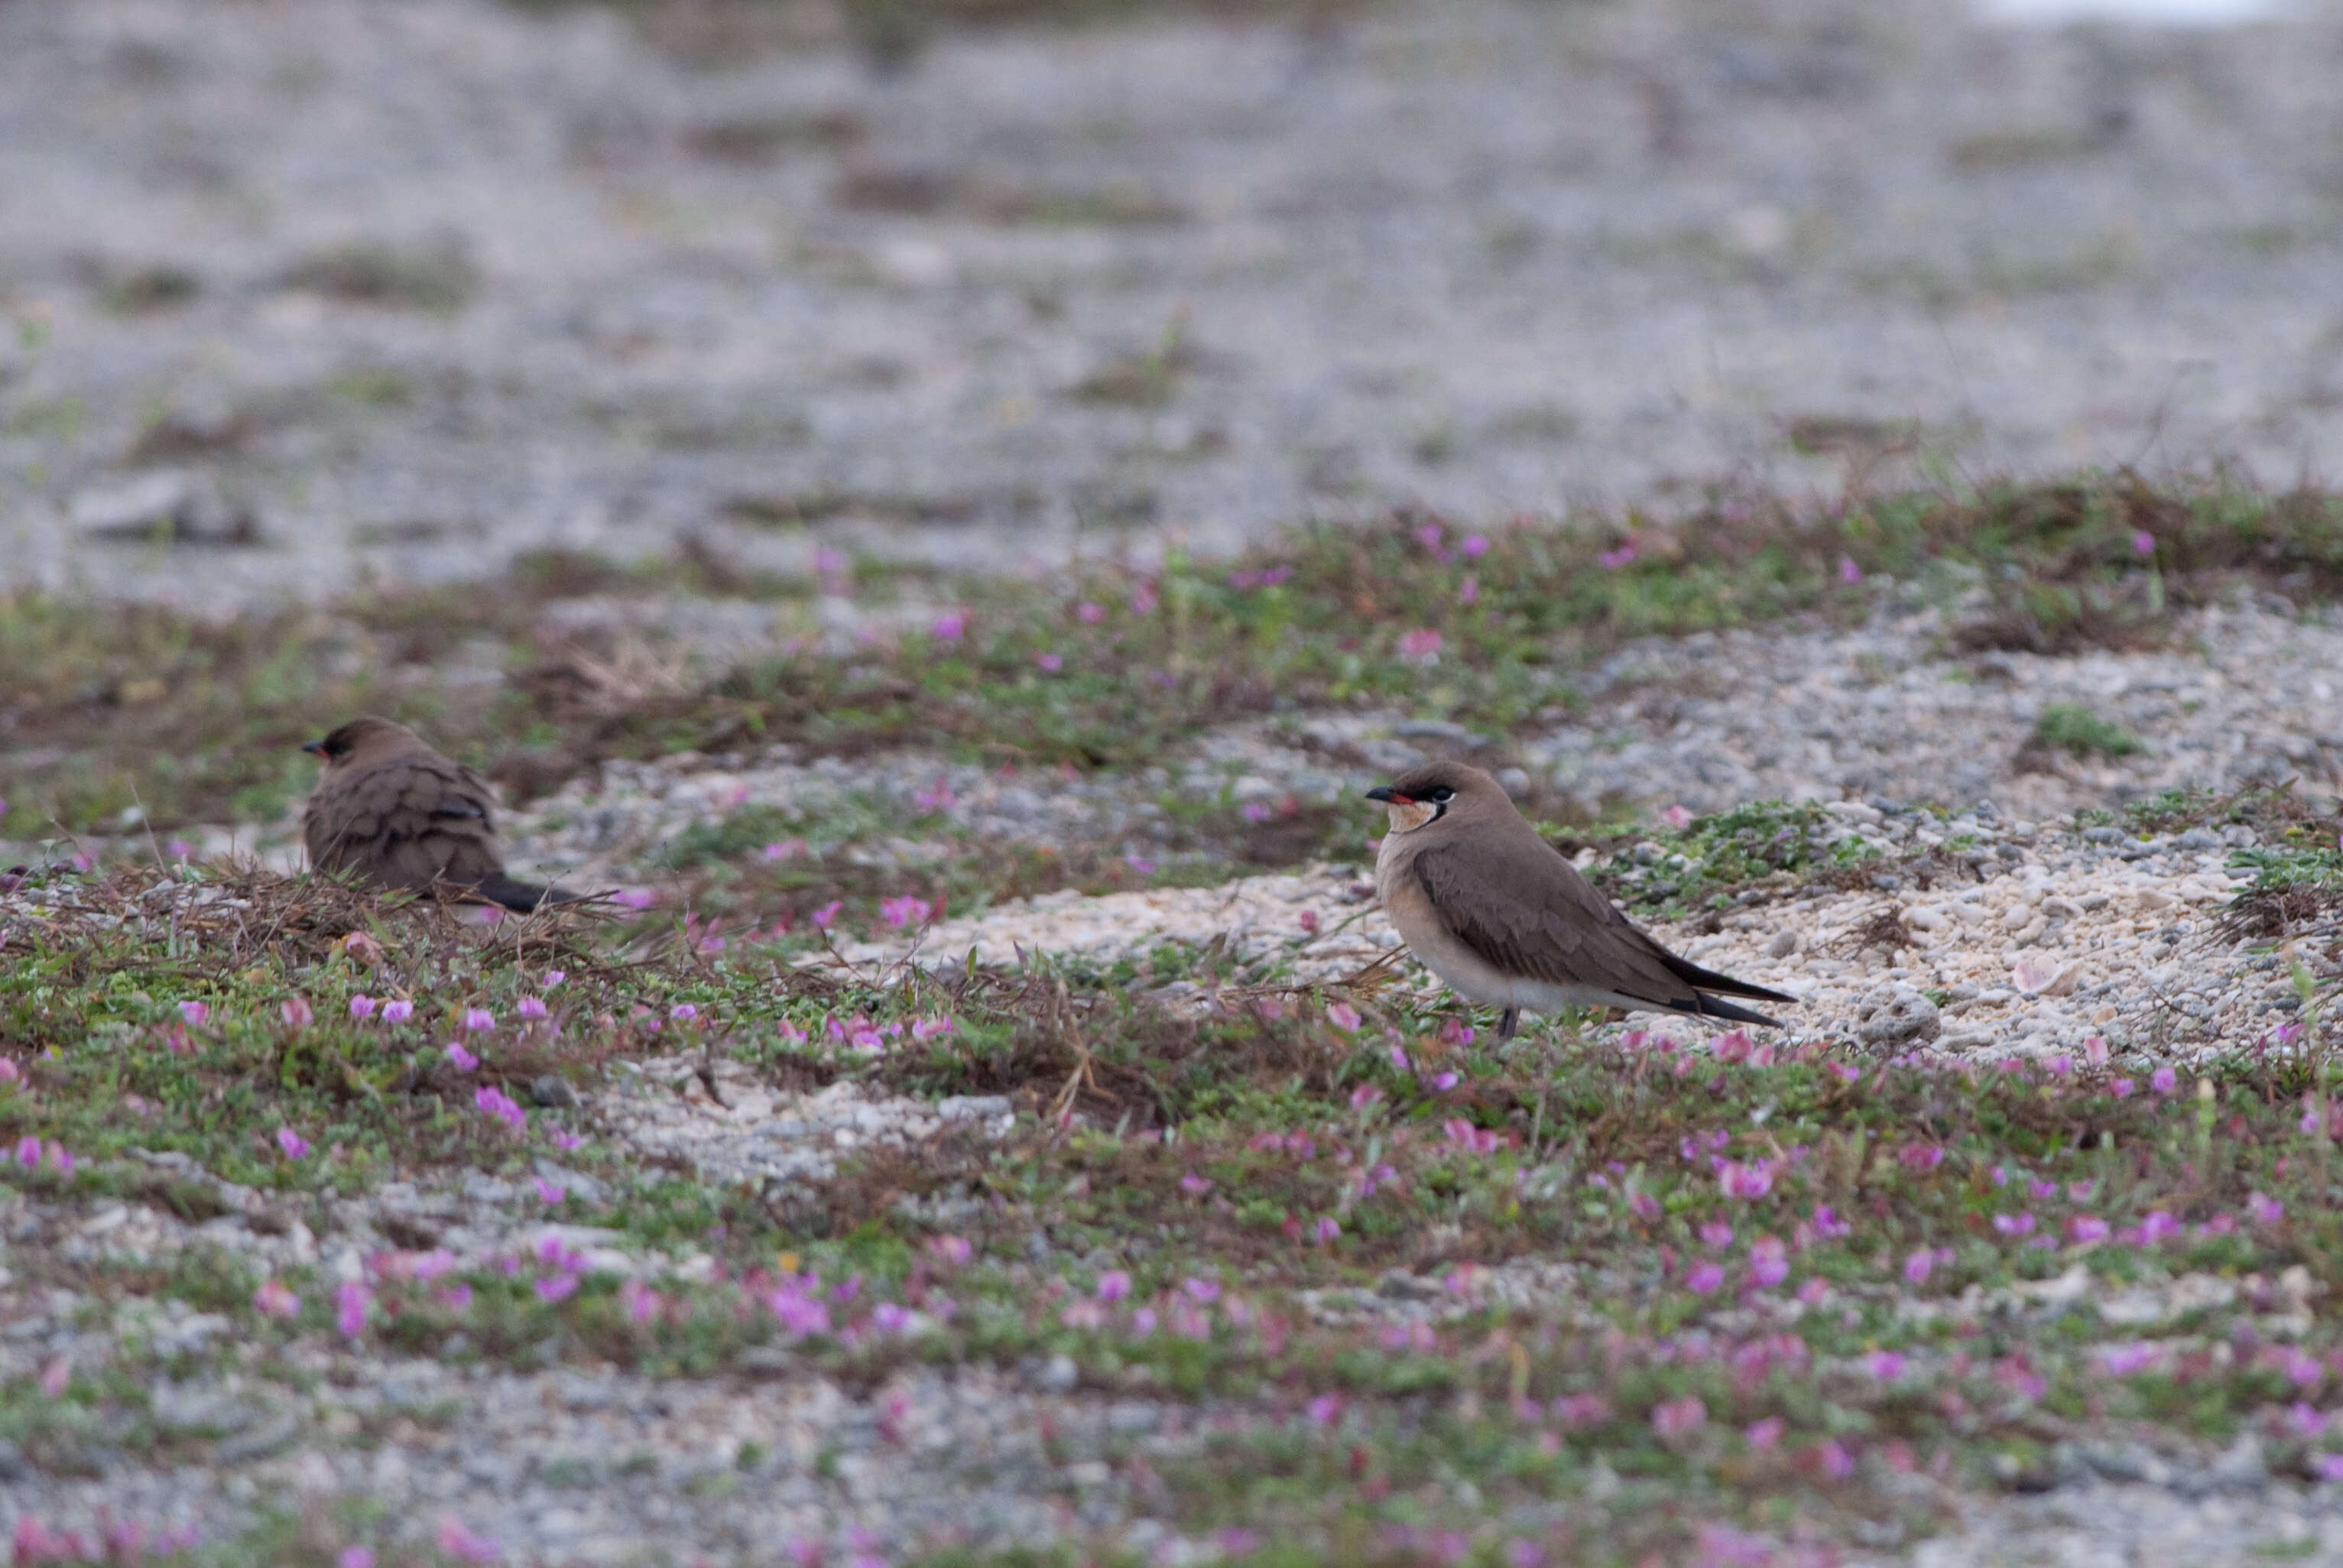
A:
1507	1024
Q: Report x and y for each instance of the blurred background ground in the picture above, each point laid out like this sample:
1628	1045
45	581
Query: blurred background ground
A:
336	288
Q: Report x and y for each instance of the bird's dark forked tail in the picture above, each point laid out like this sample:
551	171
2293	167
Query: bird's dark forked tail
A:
1704	981
1711	1006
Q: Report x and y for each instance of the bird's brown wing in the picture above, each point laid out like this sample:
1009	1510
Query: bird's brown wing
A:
1526	911
407	823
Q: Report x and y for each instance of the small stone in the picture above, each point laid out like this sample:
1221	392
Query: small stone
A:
1059	1374
577	1184
167	505
259	1442
1782	946
553	1092
1895	1015
14	1466
2241	1467
1399	1285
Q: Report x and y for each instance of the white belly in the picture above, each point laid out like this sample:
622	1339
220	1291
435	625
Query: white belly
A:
1462	969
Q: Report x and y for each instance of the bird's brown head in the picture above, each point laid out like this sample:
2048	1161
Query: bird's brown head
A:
1421	796
360	741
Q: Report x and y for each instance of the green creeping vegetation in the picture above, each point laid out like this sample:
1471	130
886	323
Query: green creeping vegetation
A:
1769	1288
1712	859
2068	727
152	711
2296	863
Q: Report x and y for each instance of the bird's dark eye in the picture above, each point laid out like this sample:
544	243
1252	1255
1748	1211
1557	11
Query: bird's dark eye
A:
1443	794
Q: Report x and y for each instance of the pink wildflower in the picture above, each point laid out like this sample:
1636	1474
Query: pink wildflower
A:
296	1146
459	1059
1676	1417
1761	1435
296	1012
350	1308
361	1009
272	1300
195	1013
495	1102
463	1545
899	912
398	1009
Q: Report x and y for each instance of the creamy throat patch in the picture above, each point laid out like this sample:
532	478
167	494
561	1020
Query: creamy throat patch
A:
1406	816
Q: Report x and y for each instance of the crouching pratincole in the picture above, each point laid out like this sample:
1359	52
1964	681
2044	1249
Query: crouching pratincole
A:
1497	913
400	816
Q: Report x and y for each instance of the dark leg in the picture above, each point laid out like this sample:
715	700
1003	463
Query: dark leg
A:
1506	1025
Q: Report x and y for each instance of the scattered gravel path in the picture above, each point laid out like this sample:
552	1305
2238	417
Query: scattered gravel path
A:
2043	939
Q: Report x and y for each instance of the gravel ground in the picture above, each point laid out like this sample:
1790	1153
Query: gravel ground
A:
2035	939
333	288
2044	938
